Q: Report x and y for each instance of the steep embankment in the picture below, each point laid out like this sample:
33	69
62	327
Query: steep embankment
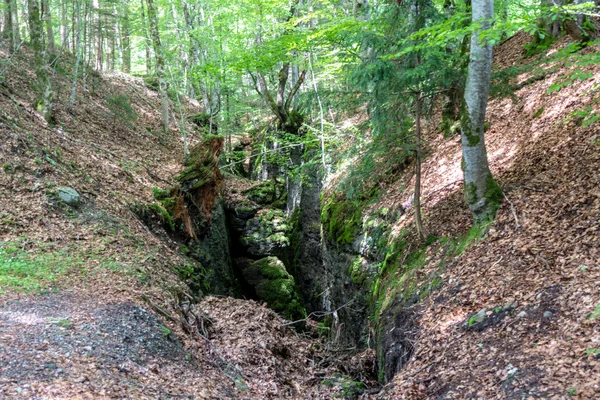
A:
534	279
515	313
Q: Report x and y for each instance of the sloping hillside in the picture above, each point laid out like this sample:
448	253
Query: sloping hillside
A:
91	301
517	314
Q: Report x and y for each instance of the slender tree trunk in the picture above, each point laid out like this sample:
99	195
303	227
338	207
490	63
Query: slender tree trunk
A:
43	103
97	25
146	39
482	192
7	28
553	27
14	24
125	40
110	42
418	209
64	28
50	45
78	58
160	64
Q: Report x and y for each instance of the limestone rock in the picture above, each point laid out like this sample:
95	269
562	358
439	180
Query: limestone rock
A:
274	285
68	195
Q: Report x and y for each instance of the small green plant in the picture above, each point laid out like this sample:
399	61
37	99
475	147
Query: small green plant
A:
592	352
63	323
596	313
121	108
166	332
572	392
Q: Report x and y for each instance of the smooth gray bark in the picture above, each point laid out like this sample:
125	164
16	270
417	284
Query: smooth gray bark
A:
480	187
160	64
78	59
43	102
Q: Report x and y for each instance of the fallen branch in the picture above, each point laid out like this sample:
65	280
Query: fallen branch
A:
512	209
318	314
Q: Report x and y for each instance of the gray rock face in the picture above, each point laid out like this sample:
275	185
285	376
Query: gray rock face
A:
266	234
214	253
69	196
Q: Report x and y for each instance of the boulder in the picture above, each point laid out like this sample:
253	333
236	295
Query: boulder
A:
69	196
274	285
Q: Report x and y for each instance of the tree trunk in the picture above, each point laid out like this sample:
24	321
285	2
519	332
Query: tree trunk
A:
7	27
99	40
64	28
51	47
78	58
482	192
43	102
552	26
125	40
146	39
418	210
160	64
15	36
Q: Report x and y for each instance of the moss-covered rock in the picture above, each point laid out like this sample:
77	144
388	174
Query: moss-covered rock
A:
266	234
266	193
274	285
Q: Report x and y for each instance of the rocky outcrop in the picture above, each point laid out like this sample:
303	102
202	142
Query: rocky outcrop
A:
272	283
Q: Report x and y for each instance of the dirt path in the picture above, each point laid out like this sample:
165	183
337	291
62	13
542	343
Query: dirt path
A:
69	346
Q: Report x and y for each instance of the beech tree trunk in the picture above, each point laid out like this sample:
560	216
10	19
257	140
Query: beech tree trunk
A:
418	208
482	192
125	40
43	102
49	30
160	64
146	39
79	46
64	28
12	23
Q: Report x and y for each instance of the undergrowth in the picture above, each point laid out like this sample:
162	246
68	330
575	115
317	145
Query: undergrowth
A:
43	268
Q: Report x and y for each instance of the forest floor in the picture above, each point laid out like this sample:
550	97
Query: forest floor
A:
78	327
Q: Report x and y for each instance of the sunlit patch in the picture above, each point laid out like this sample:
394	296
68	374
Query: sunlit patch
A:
22	318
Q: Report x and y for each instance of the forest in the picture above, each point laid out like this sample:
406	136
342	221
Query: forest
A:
260	199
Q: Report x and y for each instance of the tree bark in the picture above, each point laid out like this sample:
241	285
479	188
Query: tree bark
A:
418	210
78	58
146	39
482	192
13	24
99	40
125	40
49	30
43	102
64	28
160	64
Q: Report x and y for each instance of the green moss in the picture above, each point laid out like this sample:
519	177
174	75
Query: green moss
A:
471	193
493	194
160	194
274	285
342	220
348	388
163	215
357	272
264	193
